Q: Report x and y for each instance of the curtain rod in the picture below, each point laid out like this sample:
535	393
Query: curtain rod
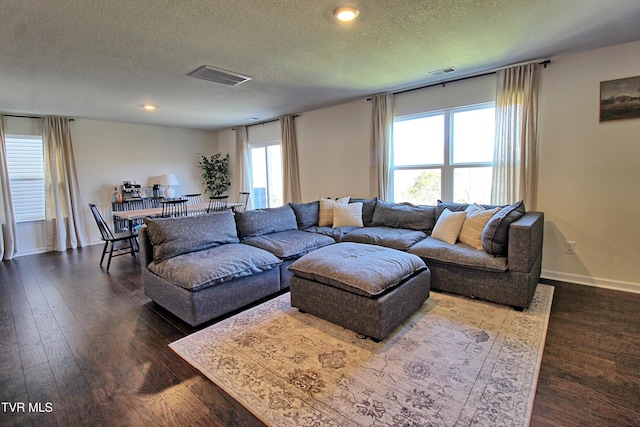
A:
27	117
472	76
266	121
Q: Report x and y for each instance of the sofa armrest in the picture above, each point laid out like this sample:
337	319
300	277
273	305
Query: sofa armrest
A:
525	241
146	248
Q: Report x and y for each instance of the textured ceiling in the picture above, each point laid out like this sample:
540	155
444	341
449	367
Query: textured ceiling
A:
104	59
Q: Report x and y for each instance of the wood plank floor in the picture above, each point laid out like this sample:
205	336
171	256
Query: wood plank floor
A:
79	346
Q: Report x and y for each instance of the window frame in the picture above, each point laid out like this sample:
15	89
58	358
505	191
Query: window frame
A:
27	214
448	167
265	145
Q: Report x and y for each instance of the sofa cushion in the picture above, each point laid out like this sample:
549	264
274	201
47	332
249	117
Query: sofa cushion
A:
458	207
325	217
257	222
396	238
306	213
336	233
404	215
201	269
448	226
459	254
341	266
290	244
368	207
474	223
347	215
495	235
453	207
171	237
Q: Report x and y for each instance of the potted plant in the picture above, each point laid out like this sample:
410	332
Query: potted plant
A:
215	173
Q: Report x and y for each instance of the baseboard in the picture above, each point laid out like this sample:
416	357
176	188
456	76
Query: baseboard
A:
35	251
592	281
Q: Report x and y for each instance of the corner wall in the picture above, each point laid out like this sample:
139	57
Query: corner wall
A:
588	172
107	153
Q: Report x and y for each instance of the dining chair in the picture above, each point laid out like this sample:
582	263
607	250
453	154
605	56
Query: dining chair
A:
217	204
174	208
193	199
110	238
243	199
150	203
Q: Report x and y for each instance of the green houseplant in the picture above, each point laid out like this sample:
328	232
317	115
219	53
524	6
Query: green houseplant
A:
215	173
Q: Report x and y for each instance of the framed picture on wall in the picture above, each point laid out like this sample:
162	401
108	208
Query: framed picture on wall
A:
620	99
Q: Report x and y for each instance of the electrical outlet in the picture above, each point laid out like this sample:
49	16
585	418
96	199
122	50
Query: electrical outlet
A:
569	247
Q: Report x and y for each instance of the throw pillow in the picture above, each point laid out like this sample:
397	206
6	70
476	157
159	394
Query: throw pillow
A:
347	215
325	217
448	226
477	218
306	213
495	236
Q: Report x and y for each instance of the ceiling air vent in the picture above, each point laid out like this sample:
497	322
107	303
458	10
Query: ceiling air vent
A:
217	75
442	71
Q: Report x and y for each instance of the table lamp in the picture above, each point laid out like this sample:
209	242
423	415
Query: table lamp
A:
168	180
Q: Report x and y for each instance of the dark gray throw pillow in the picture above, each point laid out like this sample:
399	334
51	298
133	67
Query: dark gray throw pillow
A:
495	235
306	214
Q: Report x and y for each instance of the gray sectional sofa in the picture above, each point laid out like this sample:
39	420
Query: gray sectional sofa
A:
202	267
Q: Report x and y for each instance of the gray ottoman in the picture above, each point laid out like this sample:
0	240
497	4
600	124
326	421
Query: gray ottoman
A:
368	289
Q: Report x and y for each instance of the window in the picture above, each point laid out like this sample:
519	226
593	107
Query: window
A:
445	155
25	163
266	174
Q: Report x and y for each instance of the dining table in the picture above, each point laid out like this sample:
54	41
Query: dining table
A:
134	214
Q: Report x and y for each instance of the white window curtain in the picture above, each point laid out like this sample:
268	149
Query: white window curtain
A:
381	136
8	226
290	171
242	169
64	219
516	140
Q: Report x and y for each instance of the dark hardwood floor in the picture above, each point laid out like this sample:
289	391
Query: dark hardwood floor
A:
79	346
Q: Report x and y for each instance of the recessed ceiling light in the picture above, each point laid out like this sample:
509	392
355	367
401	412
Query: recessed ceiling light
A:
346	13
149	107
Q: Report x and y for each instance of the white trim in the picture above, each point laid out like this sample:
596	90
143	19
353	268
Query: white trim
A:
597	282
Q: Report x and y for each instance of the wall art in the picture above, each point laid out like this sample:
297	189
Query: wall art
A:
620	99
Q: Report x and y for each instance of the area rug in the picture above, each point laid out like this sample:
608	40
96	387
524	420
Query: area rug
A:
455	362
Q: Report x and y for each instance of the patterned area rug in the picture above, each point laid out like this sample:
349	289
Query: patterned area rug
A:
454	362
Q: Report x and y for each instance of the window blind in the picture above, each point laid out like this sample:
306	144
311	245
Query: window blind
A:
25	162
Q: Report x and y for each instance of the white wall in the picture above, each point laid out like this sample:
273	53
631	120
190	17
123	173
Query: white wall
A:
588	176
333	151
108	153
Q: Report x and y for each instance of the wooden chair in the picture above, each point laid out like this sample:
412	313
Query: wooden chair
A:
217	204
193	199
174	208
112	238
243	199
150	203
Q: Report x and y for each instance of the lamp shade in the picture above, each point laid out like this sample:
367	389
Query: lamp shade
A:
169	179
